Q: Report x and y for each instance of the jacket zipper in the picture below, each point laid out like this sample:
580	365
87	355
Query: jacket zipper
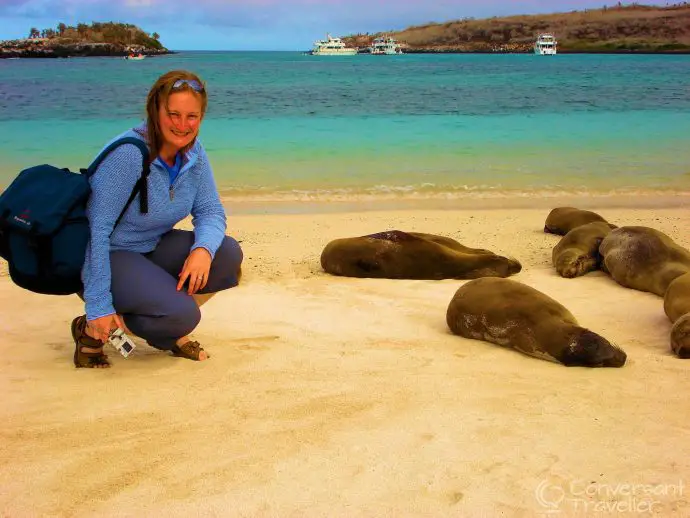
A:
171	190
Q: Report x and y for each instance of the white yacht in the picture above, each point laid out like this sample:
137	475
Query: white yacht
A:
545	45
385	45
331	47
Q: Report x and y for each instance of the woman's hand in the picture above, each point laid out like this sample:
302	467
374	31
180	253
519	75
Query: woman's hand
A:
196	268
100	328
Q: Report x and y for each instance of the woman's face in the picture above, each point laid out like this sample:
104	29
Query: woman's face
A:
180	119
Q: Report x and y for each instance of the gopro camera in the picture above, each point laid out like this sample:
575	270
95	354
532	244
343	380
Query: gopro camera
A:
120	341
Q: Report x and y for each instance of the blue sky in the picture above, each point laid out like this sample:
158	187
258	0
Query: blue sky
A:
264	24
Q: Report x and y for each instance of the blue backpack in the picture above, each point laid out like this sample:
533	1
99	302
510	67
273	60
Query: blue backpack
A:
43	225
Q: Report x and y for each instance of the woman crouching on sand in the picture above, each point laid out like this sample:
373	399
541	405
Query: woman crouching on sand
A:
146	277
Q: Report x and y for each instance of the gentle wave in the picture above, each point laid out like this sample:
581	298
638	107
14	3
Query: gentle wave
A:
429	192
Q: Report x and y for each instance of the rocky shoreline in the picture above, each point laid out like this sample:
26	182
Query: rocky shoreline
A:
508	48
52	48
528	48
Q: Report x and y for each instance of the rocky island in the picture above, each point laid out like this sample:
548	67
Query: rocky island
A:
97	39
619	28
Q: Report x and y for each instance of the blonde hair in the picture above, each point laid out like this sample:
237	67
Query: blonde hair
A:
158	96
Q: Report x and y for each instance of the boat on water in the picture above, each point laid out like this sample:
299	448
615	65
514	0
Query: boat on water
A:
332	47
385	45
135	57
545	44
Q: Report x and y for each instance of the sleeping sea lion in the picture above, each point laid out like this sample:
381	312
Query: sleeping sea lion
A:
643	258
513	315
578	251
677	309
412	255
562	220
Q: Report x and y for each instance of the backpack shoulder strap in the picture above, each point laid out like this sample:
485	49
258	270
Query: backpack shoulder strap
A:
116	144
142	183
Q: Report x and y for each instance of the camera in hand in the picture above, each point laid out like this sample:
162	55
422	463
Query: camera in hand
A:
120	341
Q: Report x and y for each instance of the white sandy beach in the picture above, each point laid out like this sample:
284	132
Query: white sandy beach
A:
339	397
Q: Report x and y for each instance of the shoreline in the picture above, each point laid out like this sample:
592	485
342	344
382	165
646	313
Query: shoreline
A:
6	53
560	51
292	204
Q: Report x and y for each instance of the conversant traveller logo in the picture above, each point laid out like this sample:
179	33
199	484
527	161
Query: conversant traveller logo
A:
595	497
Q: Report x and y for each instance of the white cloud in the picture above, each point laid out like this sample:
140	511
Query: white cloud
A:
139	3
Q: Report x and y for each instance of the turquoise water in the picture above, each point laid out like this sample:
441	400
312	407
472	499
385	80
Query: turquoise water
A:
283	125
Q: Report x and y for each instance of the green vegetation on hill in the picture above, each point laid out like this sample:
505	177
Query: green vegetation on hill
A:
97	39
618	28
97	32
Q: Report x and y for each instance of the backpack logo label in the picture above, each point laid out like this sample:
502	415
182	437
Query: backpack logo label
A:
23	217
22	221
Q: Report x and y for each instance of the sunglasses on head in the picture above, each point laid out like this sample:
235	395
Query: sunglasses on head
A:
191	83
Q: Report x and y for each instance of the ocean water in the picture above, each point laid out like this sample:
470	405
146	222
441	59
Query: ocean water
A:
289	126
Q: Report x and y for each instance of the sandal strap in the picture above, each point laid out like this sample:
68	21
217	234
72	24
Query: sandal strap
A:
190	350
84	339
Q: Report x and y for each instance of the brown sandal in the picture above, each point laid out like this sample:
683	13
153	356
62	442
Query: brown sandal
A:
84	359
190	350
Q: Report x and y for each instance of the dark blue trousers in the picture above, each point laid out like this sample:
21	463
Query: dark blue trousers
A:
144	287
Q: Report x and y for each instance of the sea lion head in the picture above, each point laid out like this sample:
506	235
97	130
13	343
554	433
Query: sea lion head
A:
680	337
513	266
562	220
498	266
571	263
588	349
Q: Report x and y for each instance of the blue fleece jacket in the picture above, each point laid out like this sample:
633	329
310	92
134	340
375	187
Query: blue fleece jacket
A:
192	192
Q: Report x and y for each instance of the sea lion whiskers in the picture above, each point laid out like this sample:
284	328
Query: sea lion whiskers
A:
588	349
